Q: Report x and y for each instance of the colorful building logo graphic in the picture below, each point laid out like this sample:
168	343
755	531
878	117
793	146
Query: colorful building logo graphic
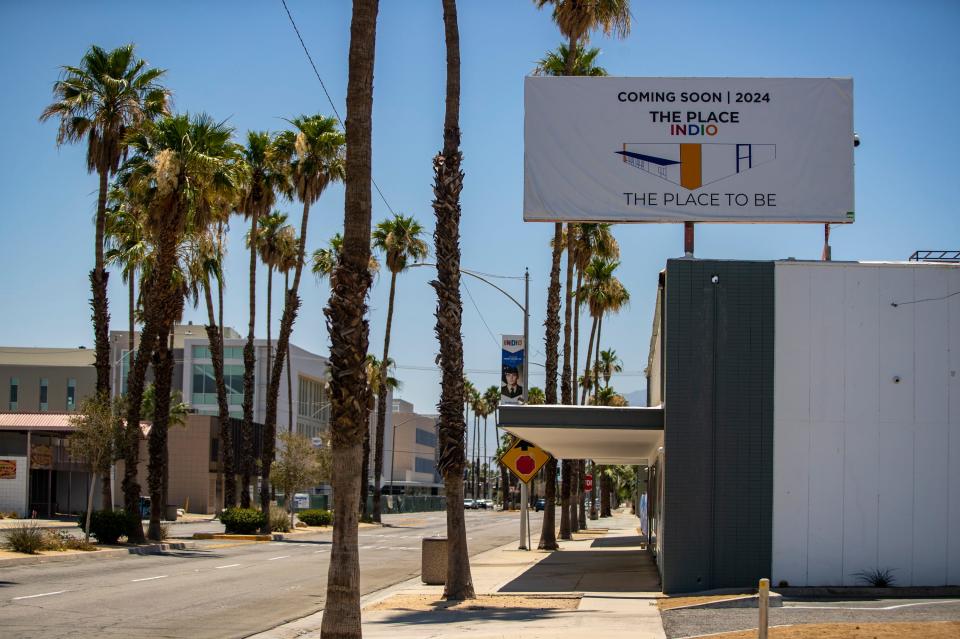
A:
694	165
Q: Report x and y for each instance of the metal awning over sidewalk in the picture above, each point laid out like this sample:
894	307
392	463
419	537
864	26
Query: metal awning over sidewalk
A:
605	434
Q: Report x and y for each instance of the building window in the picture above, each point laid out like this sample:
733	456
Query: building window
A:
71	395
396	406
310	399
14	392
43	394
124	370
204	389
229	352
426	438
422	465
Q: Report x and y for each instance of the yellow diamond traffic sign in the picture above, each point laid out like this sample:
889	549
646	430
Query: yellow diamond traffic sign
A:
524	460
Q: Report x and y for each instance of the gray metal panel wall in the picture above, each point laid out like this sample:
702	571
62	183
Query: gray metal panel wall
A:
718	424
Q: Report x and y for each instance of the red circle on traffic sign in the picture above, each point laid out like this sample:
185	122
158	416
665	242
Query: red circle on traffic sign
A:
526	464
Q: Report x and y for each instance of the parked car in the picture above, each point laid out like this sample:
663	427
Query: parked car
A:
540	505
470	504
486	504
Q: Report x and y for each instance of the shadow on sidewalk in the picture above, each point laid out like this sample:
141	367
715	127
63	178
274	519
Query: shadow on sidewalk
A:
461	616
591	571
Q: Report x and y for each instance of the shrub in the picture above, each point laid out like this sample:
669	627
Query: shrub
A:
316	517
242	521
877	577
279	519
25	537
62	540
108	526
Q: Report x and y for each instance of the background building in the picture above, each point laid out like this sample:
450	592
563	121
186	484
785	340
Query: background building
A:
410	452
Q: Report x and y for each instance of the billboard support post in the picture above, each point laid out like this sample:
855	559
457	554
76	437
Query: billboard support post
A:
524	488
688	239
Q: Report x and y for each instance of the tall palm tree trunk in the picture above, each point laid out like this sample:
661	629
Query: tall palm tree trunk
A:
346	317
226	430
586	371
269	305
98	285
567	489
290	307
382	403
576	334
604	493
286	287
365	473
225	449
565	500
249	366
581	507
447	185
594	491
157	442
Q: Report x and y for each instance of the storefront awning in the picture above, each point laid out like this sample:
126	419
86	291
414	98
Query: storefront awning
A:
605	434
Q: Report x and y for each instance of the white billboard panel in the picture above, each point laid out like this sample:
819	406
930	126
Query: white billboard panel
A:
688	149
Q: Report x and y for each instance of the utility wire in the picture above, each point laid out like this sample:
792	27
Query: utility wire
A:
492	336
327	93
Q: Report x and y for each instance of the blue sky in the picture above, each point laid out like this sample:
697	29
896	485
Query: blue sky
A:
241	61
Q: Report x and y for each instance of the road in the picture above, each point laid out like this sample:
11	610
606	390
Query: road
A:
219	591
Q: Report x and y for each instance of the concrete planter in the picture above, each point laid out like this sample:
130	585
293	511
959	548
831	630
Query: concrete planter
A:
170	512
433	561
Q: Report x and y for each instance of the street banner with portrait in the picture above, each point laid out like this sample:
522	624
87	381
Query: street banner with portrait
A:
512	363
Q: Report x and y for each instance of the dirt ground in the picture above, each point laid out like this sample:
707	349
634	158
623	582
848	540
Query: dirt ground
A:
669	603
482	602
924	630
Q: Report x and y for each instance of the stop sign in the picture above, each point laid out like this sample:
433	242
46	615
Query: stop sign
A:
526	464
588	482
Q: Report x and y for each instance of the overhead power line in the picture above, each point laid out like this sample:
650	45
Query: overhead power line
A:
293	23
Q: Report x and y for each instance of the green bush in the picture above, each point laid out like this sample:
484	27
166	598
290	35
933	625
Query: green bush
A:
242	521
316	517
279	519
25	537
108	526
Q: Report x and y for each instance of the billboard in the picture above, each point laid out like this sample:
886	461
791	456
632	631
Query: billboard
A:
688	149
512	363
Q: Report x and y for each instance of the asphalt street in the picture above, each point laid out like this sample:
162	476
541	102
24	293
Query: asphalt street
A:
218	591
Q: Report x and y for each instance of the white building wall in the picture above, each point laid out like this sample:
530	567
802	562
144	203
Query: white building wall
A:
866	468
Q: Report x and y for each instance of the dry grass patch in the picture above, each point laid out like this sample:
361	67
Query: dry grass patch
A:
918	630
426	603
669	603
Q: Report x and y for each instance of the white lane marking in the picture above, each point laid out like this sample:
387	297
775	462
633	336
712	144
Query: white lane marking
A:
321	550
228	566
280	557
42	594
150	578
894	607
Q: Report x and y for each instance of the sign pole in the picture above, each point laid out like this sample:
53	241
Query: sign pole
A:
524	498
524	488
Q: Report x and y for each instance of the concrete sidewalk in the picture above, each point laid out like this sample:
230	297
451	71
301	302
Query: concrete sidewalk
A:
616	583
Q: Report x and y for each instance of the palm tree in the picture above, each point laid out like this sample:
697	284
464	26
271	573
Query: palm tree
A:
185	173
263	180
324	260
378	378
312	158
603	293
608	365
447	185
491	398
104	98
346	317
272	233
577	18
592	240
400	240
288	254
506	443
207	266
584	62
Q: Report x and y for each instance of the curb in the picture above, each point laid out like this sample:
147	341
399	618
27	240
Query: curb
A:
834	592
104	553
747	601
234	537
